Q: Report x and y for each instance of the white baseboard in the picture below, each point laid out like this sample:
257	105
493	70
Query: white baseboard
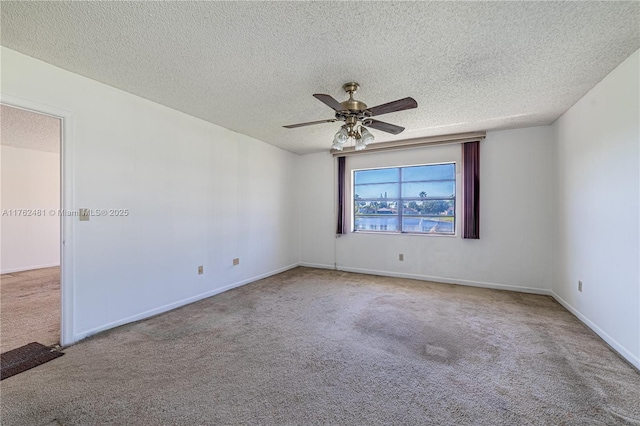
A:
174	305
495	286
317	265
28	268
624	352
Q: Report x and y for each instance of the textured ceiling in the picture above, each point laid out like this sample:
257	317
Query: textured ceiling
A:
25	129
252	66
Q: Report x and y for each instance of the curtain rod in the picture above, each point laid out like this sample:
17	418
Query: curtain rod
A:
413	143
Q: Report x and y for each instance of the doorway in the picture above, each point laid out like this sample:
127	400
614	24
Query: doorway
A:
30	228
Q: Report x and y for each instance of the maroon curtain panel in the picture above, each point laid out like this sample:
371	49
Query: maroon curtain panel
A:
471	190
341	171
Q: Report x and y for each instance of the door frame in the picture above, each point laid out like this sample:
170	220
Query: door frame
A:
67	319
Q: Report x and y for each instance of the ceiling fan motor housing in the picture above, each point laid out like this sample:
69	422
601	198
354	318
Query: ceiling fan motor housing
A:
353	109
352	104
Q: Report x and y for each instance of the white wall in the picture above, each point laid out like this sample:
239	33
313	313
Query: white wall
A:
197	194
30	180
597	153
317	209
515	230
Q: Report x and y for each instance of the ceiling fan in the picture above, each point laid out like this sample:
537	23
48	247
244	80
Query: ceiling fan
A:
353	111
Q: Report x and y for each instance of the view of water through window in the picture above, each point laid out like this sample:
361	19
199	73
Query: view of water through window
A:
415	199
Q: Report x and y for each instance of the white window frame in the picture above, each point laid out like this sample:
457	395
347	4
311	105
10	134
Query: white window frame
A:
351	198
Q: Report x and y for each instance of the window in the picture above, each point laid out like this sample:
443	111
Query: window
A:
416	199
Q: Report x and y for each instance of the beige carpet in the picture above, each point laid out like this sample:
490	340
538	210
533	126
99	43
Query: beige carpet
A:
322	347
29	308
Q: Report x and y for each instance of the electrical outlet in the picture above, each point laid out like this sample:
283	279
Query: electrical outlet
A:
200	270
579	285
401	257
236	261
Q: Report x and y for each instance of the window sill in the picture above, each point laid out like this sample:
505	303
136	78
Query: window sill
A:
417	234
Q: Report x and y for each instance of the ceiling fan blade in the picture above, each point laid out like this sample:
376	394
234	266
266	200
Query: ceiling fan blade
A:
399	105
385	127
293	126
329	101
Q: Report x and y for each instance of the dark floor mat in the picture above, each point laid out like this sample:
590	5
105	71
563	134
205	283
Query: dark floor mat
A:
22	359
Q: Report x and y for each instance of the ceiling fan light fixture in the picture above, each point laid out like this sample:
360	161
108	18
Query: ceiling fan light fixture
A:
336	146
366	136
341	137
360	145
